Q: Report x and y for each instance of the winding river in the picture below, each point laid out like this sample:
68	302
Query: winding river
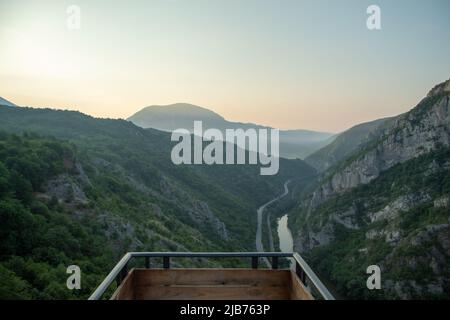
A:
260	211
284	234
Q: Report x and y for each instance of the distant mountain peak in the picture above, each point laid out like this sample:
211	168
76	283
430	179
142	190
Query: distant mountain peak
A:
181	105
182	108
293	143
4	102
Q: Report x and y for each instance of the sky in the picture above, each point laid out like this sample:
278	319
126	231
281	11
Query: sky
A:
290	64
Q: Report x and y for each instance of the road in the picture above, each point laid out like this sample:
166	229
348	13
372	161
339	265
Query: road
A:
260	211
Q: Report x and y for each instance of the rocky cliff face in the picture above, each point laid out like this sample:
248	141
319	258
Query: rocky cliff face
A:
68	190
423	129
386	204
199	211
440	89
347	143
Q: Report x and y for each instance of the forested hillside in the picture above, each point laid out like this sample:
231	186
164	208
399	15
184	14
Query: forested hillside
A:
80	190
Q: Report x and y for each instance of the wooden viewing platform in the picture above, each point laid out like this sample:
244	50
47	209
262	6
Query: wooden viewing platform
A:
212	283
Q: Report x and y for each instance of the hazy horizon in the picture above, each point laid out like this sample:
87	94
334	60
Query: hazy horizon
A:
103	197
309	65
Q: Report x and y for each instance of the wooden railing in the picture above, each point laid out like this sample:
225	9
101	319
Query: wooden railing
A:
302	269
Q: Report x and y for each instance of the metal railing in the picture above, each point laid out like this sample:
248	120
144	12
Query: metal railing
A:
302	269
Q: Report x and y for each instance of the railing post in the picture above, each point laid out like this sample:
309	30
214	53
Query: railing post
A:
255	262
147	262
122	274
166	262
300	273
274	262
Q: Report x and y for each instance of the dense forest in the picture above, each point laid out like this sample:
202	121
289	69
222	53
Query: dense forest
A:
39	238
80	190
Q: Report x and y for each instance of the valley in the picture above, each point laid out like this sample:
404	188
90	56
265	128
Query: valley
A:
112	185
77	189
225	150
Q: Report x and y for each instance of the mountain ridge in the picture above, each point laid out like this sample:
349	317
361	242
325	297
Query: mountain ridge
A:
386	203
346	143
4	102
293	143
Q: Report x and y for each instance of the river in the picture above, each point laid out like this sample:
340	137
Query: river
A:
286	241
260	211
284	235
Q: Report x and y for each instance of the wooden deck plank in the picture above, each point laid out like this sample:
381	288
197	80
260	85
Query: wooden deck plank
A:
298	290
212	293
207	276
126	290
224	284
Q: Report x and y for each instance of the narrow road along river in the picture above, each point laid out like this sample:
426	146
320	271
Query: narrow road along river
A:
260	211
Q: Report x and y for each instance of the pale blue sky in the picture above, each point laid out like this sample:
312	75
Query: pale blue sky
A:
289	63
